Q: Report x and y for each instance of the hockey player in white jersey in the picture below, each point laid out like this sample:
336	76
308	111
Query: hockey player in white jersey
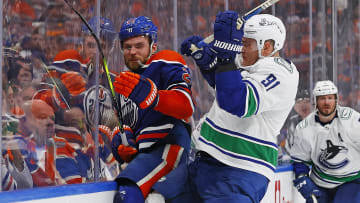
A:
328	140
254	94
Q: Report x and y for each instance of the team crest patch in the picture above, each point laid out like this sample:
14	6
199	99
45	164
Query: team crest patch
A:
284	64
303	124
345	113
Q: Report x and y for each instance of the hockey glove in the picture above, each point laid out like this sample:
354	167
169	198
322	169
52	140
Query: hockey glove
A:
228	34
307	188
121	152
68	90
138	88
204	57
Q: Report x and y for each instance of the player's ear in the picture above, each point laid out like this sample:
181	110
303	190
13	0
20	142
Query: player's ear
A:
80	48
268	48
153	48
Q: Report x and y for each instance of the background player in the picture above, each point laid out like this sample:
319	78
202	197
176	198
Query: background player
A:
328	140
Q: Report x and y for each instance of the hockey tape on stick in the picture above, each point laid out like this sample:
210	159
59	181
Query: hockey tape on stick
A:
313	197
241	20
118	110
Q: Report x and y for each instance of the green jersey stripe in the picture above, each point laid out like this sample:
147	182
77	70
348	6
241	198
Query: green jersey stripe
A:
239	145
332	178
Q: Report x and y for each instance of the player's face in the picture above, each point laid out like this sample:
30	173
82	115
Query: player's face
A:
75	118
24	77
326	104
303	107
250	52
90	48
136	51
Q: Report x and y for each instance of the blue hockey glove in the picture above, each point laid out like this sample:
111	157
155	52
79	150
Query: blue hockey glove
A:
121	152
228	33
186	44
307	188
138	88
204	57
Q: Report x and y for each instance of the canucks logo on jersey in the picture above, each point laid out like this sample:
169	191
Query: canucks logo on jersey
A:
333	156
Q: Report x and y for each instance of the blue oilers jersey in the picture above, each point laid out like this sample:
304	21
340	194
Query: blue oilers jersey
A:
167	69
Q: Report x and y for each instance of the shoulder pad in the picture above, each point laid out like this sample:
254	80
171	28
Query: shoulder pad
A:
167	55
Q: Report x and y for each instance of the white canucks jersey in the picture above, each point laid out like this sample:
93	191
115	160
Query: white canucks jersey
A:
248	140
333	149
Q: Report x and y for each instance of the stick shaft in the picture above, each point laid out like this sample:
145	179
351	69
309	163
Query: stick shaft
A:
247	15
115	103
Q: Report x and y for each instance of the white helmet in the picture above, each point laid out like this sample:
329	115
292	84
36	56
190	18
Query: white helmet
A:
325	87
263	27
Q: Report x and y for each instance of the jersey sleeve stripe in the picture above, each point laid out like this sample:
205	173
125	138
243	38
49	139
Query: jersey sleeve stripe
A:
151	135
186	93
157	128
181	84
254	92
167	56
251	103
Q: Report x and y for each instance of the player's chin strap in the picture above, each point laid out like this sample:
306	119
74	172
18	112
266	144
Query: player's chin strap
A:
147	58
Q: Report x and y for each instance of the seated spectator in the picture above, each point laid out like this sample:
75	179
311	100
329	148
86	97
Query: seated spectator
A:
49	158
20	72
18	171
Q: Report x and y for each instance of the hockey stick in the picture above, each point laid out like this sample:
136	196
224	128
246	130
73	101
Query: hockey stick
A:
118	110
247	15
60	90
314	199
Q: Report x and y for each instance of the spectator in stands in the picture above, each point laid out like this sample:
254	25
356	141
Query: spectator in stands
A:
50	159
15	162
20	72
301	109
13	101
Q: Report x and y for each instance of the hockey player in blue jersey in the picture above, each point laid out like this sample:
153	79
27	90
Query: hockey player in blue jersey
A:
255	90
328	140
108	37
155	97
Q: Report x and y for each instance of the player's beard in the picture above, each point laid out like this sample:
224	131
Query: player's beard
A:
327	112
134	64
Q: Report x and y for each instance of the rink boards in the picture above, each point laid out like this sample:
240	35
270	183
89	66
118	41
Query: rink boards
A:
279	191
